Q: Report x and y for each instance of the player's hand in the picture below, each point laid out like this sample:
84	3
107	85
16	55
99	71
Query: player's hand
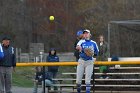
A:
79	48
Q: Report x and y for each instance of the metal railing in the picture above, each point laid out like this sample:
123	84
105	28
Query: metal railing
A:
75	63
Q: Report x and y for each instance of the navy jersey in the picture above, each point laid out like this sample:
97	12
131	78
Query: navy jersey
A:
87	44
53	58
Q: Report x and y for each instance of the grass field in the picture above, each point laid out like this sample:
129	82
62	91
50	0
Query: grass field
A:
23	77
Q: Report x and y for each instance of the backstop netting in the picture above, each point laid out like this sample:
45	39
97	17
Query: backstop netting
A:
125	38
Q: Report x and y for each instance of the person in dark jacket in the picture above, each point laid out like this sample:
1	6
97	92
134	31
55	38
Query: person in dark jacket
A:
52	57
79	37
7	65
39	79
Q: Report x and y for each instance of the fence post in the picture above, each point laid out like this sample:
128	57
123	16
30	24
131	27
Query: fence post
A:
93	76
44	79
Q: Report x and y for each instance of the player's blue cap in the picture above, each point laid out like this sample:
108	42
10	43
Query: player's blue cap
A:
80	32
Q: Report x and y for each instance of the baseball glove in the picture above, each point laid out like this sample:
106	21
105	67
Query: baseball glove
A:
89	51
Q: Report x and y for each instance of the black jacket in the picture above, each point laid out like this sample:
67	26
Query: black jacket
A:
76	52
9	59
39	76
53	58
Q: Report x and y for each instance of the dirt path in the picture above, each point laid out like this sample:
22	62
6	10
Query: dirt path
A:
24	90
30	90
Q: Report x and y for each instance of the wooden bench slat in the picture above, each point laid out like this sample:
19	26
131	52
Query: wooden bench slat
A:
117	79
117	85
69	79
106	73
74	85
121	68
118	73
96	91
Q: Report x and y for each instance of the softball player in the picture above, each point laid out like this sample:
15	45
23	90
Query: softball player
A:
85	61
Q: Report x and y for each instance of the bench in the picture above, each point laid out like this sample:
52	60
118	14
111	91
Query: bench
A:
112	84
102	86
118	83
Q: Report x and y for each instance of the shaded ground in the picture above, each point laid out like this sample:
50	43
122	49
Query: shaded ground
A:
30	90
24	90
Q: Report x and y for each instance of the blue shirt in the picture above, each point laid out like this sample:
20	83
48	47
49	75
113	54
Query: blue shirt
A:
1	52
87	44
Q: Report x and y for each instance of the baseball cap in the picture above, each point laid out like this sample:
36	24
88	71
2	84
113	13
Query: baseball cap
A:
86	30
115	58
80	32
6	38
